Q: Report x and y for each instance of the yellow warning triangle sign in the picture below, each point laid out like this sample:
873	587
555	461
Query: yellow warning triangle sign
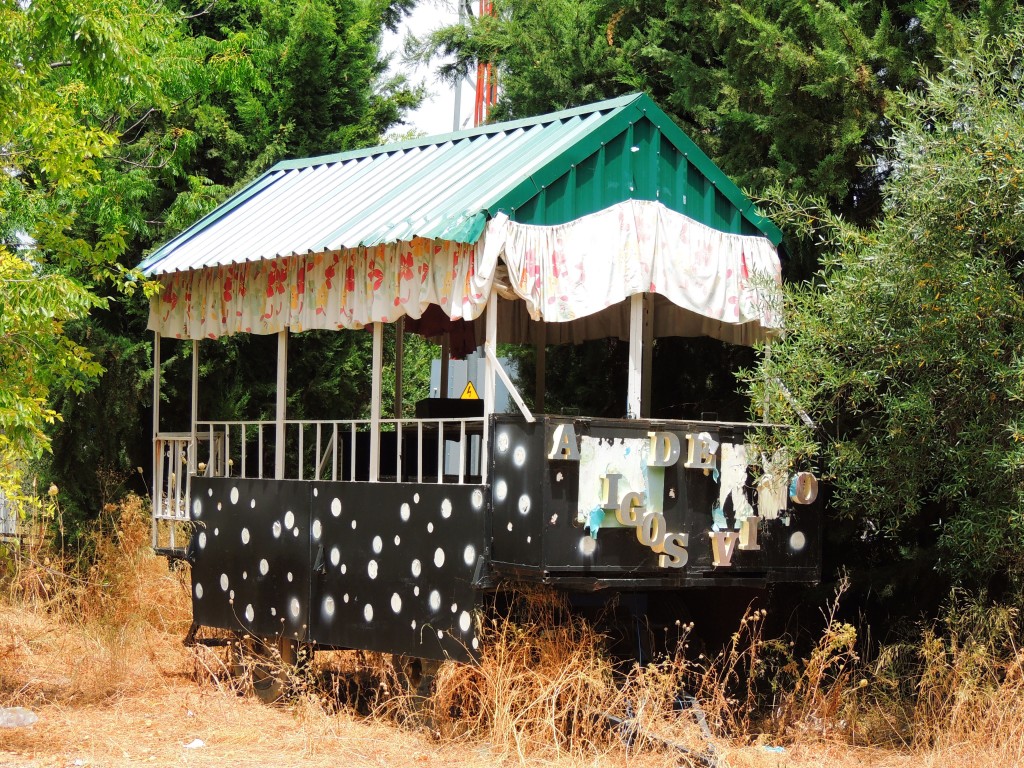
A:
469	393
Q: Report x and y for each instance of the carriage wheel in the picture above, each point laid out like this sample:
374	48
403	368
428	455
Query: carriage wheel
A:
273	664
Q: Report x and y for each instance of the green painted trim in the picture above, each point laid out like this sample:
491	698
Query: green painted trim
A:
615	123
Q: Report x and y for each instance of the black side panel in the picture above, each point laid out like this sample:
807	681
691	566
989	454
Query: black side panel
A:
537	533
398	562
251	569
517	487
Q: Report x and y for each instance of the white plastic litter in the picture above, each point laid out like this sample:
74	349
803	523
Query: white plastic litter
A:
16	717
195	744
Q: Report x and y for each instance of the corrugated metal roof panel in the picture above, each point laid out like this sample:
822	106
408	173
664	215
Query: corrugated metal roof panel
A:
446	187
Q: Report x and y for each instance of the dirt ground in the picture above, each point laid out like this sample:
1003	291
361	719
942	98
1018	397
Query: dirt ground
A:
131	696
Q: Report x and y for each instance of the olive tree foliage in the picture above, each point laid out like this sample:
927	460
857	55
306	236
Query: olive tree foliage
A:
907	348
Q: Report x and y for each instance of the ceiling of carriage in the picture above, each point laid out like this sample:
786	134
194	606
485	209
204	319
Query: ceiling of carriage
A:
545	170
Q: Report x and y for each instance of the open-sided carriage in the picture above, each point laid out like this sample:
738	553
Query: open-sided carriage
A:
388	533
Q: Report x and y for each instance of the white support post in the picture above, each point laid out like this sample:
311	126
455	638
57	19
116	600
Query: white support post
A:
490	357
156	432
647	357
635	375
399	353
193	443
375	398
282	401
540	361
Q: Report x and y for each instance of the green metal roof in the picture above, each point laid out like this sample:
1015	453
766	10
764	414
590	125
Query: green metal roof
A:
543	170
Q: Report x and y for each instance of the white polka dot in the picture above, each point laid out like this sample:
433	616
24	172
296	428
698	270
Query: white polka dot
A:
335	555
353	525
317	529
797	541
264	566
345	597
371	569
290	576
416	568
455	607
446	509
416	498
368	612
289	519
329	605
209	492
231	596
202	539
524	504
234	495
416	590
316	492
378	545
336	507
276	528
519	456
245	575
250	614
435	600
404	512
224	582
476	643
438	557
469	554
529	539
252	504
295	531
503	442
199	590
273	611
295	607
398	540
197	508
430	527
396	603
587	545
464	621
344	568
500	490
219	506
509	527
216	531
245	535
440	634
477	498
413	623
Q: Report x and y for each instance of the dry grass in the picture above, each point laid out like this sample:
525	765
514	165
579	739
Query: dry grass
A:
95	650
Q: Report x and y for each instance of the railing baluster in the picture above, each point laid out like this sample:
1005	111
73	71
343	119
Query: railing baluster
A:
259	439
440	451
419	451
352	452
245	429
462	451
302	434
317	475
398	450
334	452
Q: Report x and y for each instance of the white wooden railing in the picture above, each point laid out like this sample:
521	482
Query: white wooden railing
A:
410	450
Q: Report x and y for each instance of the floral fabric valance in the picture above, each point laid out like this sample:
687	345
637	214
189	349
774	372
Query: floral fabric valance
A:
562	273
